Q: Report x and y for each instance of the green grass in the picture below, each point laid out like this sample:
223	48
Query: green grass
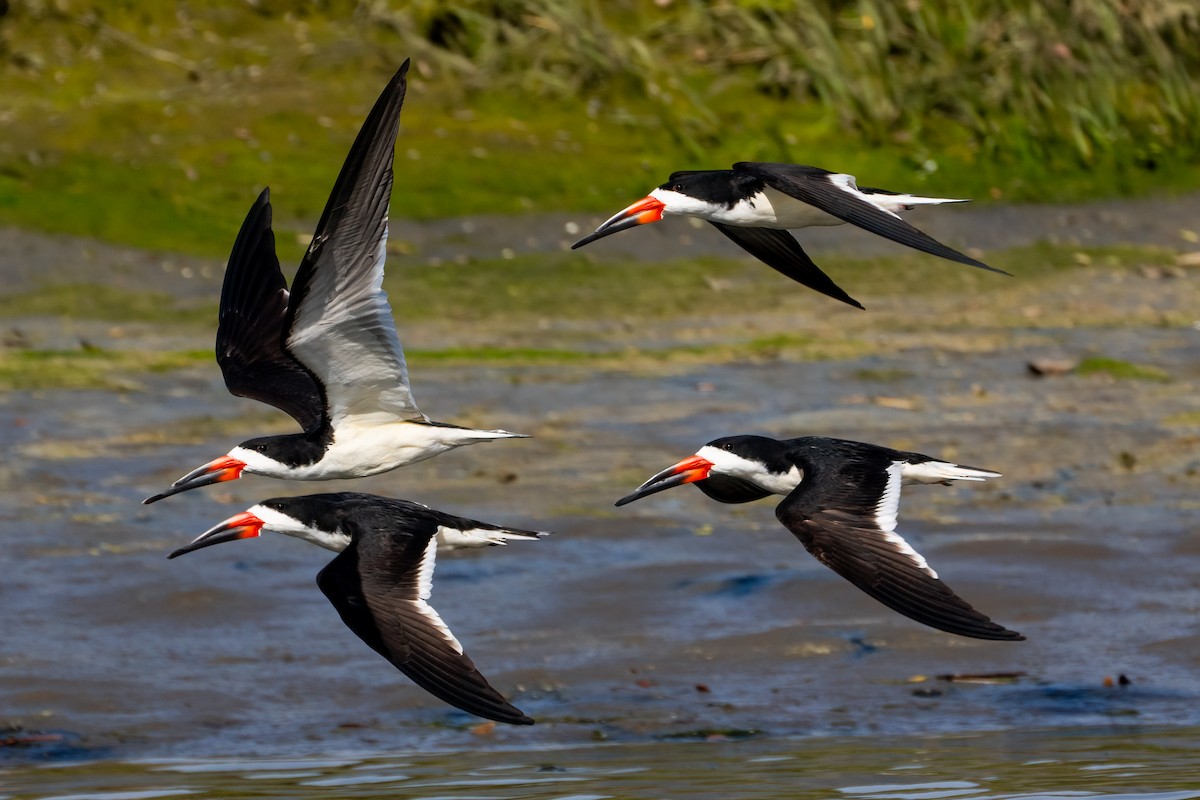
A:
156	124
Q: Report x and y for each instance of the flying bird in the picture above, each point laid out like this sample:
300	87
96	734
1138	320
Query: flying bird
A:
841	499
755	204
327	353
381	579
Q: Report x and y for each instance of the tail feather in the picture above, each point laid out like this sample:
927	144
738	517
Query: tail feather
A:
463	435
895	201
466	539
498	434
943	472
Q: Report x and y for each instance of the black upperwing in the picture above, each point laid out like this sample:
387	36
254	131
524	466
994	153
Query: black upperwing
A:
844	514
250	329
814	186
340	324
355	216
375	585
780	251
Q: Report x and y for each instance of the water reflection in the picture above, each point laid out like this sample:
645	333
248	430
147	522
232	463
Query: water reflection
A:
1116	765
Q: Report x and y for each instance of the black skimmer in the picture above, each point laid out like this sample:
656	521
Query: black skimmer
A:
381	578
327	354
755	204
841	502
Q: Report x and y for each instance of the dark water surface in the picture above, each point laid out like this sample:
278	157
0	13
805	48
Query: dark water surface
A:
674	648
1121	764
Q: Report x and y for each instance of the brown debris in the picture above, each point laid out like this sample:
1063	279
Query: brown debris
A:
1042	367
982	677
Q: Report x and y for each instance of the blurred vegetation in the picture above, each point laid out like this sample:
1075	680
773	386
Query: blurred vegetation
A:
155	123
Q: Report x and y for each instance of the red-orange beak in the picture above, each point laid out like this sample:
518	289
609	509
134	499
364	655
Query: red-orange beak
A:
220	469
239	526
648	209
689	470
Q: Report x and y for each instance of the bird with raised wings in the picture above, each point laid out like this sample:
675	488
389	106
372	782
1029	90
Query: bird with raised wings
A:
327	353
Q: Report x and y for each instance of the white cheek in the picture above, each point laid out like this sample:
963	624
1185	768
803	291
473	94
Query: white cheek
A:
256	462
289	526
680	204
727	463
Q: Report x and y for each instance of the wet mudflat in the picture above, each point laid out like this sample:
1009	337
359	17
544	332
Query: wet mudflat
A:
674	647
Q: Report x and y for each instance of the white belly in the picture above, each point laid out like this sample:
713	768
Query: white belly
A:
369	450
361	450
773	209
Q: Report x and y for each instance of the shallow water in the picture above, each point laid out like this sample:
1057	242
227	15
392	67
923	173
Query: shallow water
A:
1116	763
673	648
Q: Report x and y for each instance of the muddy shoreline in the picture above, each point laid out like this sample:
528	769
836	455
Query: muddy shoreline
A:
674	617
29	259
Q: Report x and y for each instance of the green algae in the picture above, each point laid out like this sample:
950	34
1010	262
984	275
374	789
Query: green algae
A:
1121	370
88	368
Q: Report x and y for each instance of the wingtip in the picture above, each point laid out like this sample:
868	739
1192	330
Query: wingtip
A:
992	631
974	262
402	73
1005	635
1011	635
837	293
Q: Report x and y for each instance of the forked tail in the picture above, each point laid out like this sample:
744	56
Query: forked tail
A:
944	472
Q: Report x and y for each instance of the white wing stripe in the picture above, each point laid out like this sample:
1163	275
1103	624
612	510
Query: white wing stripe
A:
425	588
885	518
425	570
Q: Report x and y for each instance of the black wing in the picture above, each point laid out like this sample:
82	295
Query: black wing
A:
780	250
340	324
813	186
250	332
728	489
382	603
845	515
